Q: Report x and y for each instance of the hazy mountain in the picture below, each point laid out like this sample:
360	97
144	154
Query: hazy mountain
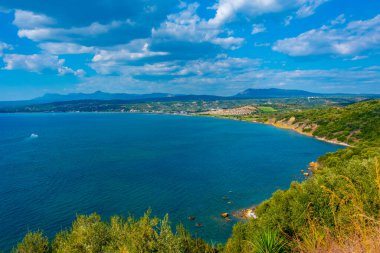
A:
141	98
99	95
275	93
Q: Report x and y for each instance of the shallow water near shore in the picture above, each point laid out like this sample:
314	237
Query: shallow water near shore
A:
54	166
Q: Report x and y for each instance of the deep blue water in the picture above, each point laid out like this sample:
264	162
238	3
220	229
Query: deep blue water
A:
127	163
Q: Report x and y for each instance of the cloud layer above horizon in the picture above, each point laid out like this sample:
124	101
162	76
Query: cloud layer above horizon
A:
198	47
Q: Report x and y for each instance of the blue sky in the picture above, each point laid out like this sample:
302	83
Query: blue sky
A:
198	47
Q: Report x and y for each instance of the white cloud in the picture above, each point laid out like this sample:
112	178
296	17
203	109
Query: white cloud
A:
188	26
227	10
29	20
359	57
229	42
63	70
256	44
185	76
308	7
65	48
220	65
356	37
4	46
63	34
258	28
38	63
288	20
37	27
341	19
215	76
106	60
136	49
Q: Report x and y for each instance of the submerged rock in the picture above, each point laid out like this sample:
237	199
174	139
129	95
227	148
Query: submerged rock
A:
224	215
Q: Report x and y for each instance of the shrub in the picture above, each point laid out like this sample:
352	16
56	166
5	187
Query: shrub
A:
33	243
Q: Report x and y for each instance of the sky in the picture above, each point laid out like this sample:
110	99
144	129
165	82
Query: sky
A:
216	47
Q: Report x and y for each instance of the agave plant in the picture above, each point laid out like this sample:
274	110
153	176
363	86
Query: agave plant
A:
269	242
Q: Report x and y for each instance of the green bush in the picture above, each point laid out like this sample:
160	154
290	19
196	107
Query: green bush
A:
33	243
89	234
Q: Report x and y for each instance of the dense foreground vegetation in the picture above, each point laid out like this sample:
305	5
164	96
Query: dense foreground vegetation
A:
337	209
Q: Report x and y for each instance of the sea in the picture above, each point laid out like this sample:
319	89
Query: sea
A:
55	166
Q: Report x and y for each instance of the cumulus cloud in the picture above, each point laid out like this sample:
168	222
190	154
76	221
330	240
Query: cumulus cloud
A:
258	28
29	20
184	76
63	34
219	65
215	76
134	50
188	26
38	63
65	48
356	37
227	10
228	42
107	59
38	27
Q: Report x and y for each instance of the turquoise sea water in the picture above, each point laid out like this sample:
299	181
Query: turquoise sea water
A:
126	163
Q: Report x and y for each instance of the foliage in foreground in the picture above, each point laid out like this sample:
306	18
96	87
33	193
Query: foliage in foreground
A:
89	234
336	202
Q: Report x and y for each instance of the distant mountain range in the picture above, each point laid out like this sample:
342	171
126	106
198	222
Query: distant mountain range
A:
275	93
139	98
99	95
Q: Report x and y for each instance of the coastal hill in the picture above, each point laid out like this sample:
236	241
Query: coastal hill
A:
337	124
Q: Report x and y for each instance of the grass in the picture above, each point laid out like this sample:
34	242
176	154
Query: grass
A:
266	109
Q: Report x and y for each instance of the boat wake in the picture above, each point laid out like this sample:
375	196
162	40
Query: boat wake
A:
33	136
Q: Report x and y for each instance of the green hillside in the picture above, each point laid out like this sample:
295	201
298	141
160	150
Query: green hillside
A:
359	122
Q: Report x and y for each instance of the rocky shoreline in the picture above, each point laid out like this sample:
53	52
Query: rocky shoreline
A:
249	213
246	213
300	129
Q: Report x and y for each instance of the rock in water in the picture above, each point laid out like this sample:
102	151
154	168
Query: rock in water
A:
224	215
